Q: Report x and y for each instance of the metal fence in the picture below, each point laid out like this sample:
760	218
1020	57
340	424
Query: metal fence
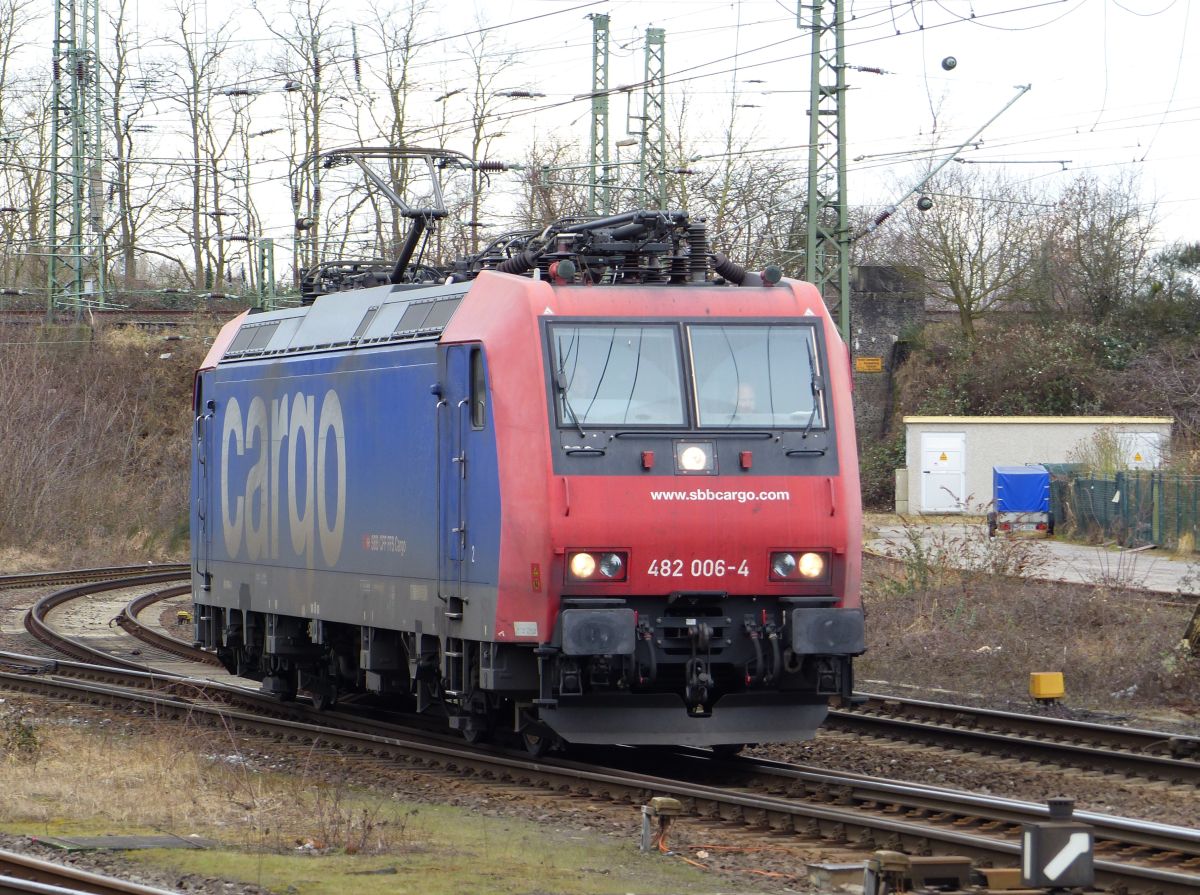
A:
1134	508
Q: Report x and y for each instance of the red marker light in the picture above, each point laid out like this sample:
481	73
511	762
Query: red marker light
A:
647	459
746	458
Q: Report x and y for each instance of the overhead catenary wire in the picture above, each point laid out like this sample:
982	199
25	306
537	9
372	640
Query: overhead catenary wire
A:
456	125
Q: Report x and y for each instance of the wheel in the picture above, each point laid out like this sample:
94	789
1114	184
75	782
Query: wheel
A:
476	731
324	697
535	744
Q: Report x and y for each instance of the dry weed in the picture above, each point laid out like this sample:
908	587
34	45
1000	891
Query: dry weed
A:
176	780
96	436
938	556
982	634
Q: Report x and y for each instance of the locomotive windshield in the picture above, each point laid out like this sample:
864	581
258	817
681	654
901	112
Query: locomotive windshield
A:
756	375
618	375
741	375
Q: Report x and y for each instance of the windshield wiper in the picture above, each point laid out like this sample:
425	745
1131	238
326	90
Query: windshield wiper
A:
560	383
817	390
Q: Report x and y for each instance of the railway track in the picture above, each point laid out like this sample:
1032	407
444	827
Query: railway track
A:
1153	755
1131	752
75	647
24	875
863	811
128	621
852	811
79	576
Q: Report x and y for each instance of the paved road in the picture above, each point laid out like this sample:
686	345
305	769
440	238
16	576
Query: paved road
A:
1051	559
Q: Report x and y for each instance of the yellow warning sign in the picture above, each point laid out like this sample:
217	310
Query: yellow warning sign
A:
1137	458
943	457
868	365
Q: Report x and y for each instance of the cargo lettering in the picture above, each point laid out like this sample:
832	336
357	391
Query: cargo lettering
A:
297	475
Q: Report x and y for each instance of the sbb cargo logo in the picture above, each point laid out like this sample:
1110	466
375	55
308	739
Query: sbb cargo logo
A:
294	456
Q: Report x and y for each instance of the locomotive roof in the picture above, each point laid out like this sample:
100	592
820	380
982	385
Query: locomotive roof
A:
400	313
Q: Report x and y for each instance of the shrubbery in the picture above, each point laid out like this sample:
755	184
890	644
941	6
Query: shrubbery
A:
1025	369
95	429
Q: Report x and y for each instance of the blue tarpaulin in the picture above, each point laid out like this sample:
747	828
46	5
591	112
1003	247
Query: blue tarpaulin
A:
1021	489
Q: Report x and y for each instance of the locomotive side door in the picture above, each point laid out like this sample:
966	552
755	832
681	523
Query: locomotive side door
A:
202	487
453	477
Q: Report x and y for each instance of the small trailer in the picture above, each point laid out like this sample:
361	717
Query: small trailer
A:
1021	501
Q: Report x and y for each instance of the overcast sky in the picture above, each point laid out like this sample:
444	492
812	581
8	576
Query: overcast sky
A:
1113	87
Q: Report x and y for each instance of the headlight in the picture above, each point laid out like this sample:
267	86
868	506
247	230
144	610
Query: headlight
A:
597	565
695	458
583	565
612	566
783	565
794	565
812	565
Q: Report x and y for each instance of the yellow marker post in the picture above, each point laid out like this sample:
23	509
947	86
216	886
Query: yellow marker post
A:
1046	686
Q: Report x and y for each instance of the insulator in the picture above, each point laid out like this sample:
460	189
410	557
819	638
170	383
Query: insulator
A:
491	167
518	263
697	240
734	273
680	268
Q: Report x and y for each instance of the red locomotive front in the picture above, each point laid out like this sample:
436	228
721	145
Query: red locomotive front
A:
680	526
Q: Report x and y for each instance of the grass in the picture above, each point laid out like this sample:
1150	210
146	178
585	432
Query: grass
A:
934	625
304	831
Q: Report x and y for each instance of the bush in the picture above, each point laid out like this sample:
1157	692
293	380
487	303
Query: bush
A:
878	462
96	433
1008	370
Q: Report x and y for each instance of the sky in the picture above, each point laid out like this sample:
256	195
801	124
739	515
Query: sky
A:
1112	87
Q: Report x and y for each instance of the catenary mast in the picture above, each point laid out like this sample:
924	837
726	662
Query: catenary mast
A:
76	262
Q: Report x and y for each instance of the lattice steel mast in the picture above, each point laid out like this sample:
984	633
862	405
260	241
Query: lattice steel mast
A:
652	173
827	240
76	264
600	172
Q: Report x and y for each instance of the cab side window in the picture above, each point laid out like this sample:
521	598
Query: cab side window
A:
478	390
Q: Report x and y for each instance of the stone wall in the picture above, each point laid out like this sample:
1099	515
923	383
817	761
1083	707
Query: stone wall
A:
883	308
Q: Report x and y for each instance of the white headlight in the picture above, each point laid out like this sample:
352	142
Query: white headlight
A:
583	565
694	456
812	565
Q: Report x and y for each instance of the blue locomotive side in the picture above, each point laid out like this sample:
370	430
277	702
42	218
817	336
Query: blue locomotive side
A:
319	493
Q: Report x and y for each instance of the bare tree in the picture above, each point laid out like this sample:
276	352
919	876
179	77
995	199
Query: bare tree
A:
546	195
137	186
198	78
397	32
23	156
1096	246
308	80
974	247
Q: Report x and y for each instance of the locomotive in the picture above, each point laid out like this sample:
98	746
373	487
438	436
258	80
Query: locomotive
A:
592	484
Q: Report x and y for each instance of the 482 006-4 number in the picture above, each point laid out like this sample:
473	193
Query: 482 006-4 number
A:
699	568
